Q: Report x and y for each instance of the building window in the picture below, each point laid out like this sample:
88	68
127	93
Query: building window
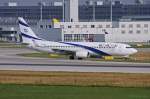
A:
92	26
123	31
85	37
130	31
84	26
41	26
77	26
123	25
130	25
138	25
68	37
145	25
49	26
61	26
69	26
91	37
107	26
100	26
138	31
77	37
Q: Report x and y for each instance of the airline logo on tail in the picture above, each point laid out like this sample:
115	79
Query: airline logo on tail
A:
25	30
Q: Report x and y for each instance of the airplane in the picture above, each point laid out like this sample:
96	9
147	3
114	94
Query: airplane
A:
76	50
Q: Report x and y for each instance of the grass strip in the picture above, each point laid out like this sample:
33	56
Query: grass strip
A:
8	91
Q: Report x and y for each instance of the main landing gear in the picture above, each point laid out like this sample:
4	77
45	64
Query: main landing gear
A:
72	57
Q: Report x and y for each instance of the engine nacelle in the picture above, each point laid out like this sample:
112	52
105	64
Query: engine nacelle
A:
82	54
43	49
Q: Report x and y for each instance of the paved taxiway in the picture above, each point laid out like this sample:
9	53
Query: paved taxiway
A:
9	61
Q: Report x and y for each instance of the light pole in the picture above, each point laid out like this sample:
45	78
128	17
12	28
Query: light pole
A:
111	6
63	10
93	11
41	10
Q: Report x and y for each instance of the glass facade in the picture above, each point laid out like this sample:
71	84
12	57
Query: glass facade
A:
102	12
31	12
84	37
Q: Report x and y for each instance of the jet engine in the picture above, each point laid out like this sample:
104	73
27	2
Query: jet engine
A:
82	54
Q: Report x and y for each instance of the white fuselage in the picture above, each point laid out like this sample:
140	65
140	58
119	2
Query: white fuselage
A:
93	48
78	49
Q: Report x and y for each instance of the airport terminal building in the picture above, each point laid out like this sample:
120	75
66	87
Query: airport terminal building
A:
79	20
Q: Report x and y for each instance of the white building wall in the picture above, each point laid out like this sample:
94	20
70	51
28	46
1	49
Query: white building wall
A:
140	32
74	10
84	27
126	32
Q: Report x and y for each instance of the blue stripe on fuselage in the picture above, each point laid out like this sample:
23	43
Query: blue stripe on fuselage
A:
24	24
88	48
31	37
78	45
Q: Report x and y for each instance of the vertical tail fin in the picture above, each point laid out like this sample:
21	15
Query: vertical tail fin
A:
27	34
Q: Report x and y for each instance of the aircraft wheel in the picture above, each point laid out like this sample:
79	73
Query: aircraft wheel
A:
71	57
79	58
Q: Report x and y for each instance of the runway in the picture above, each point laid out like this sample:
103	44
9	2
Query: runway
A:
75	68
9	61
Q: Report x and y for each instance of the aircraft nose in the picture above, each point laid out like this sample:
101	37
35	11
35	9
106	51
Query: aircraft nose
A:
134	51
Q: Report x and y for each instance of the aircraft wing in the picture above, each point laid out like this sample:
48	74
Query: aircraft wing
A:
66	52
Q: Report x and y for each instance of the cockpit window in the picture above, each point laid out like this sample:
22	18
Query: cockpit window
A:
129	47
